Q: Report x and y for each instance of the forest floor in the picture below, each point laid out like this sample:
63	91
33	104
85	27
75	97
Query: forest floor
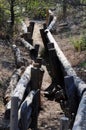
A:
49	117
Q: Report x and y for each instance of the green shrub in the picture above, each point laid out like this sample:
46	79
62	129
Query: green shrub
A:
0	84
43	53
79	43
37	9
83	64
83	42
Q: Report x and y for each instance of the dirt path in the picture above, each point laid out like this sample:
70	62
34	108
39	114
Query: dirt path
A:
36	35
49	117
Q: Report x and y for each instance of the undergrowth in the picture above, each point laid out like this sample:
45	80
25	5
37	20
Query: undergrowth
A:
37	9
79	43
83	64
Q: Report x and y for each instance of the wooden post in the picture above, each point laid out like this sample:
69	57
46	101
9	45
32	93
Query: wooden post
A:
34	52
14	114
39	61
44	39
35	110
36	77
69	85
71	93
31	28
25	111
64	123
44	26
36	80
56	68
50	45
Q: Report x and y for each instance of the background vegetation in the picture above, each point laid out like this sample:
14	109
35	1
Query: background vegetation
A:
12	12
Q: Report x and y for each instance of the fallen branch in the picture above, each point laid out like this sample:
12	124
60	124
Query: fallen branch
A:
26	44
49	17
20	88
18	59
28	37
13	81
51	20
50	26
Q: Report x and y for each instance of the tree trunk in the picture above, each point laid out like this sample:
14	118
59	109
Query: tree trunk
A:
64	9
12	12
12	15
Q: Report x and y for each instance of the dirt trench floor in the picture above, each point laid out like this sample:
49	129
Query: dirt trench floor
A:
49	116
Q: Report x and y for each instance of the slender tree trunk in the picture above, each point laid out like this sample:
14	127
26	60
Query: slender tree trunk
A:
12	12
12	15
64	9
